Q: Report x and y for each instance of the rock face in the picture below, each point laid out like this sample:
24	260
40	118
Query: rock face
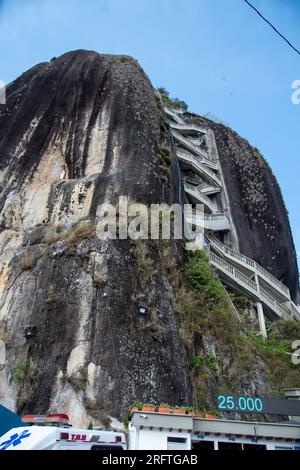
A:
77	132
257	208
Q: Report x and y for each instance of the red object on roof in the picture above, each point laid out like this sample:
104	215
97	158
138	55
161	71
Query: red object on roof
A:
50	418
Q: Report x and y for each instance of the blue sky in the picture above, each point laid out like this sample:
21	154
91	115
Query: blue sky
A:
217	55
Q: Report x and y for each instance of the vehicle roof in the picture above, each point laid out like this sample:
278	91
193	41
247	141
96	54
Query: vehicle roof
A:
28	437
43	437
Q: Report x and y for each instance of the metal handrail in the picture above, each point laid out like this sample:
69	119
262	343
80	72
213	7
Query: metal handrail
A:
188	126
235	272
189	144
200	219
174	113
253	264
193	179
204	215
284	311
200	164
202	197
295	311
209	188
260	293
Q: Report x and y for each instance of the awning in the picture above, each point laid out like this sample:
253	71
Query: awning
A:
8	420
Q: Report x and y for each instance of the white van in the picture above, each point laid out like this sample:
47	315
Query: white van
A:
59	436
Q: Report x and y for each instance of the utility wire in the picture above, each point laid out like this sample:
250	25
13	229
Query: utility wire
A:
273	27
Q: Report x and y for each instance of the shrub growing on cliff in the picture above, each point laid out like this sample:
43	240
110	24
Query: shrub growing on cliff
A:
206	317
277	351
203	305
202	279
72	235
282	334
145	264
95	409
208	360
287	329
29	261
99	281
78	379
166	156
21	371
26	378
174	103
52	298
144	261
81	232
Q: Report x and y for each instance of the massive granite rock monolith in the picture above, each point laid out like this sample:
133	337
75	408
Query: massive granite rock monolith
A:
77	132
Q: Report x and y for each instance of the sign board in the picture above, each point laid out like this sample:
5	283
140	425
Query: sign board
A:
244	404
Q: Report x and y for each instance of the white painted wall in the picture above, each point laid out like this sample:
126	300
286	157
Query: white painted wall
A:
146	439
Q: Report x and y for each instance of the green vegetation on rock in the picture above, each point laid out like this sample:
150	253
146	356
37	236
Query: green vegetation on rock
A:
78	379
25	379
22	370
277	351
72	235
174	103
29	261
228	356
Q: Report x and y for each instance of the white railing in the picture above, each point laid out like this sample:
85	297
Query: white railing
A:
185	141
235	273
194	179
187	127
174	114
295	311
207	188
215	222
268	276
214	118
200	165
199	142
204	215
212	165
285	312
194	191
254	266
216	242
281	310
251	286
238	256
234	254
